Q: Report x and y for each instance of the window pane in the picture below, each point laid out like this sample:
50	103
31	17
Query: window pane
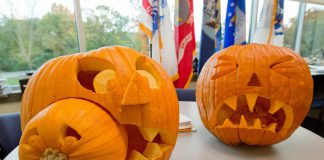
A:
312	41
290	21
291	9
113	22
32	32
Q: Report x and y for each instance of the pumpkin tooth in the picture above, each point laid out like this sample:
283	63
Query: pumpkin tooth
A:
272	127
231	102
149	133
243	123
228	123
251	100
257	124
153	151
135	155
275	106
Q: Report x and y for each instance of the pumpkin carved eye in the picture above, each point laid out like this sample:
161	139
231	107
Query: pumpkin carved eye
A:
143	81
147	70
152	81
104	81
287	67
225	65
97	74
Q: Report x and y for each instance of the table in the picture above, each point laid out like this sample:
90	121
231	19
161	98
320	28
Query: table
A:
202	145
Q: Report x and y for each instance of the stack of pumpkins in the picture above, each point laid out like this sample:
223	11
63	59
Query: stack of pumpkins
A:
115	103
110	103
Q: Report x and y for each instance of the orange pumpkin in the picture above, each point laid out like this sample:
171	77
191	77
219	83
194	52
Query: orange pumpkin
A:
74	128
254	94
131	87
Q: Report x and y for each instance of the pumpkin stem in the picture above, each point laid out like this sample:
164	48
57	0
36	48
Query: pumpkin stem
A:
53	154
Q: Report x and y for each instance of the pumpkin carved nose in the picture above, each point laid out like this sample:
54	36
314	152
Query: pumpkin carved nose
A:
138	91
254	81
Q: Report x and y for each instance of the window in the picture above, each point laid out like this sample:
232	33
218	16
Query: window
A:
32	32
113	22
290	21
312	41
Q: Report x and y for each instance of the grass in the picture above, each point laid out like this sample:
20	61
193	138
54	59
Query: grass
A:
12	81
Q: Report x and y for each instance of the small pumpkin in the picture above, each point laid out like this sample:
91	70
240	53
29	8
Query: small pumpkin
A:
73	129
132	88
254	94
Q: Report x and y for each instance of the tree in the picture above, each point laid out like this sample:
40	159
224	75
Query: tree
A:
105	26
312	35
26	43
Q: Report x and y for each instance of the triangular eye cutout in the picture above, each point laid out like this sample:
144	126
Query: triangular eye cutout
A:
254	81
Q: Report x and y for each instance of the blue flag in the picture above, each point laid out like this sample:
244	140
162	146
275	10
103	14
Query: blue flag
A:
235	23
211	31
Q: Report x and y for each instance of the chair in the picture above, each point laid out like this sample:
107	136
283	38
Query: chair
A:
23	83
318	104
186	94
10	133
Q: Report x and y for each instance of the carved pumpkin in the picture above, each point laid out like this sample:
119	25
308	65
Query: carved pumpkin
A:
75	128
254	94
131	87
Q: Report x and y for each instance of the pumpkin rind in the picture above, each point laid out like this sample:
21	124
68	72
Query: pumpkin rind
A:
270	86
97	135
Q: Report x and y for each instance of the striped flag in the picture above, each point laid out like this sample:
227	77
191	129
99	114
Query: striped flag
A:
185	41
270	29
211	31
156	23
235	23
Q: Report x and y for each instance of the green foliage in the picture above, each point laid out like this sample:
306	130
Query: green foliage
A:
25	44
312	35
107	27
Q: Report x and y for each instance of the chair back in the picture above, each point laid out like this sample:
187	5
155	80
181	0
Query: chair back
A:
10	133
186	94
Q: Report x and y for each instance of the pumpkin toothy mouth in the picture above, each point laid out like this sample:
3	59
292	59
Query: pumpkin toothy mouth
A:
148	143
252	111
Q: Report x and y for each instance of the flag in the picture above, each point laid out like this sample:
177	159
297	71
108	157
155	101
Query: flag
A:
270	29
210	39
185	41
146	18
156	23
235	23
168	50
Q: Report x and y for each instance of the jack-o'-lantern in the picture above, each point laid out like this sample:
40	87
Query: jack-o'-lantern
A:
73	129
132	88
254	94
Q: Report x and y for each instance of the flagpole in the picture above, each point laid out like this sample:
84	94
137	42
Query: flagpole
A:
150	53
